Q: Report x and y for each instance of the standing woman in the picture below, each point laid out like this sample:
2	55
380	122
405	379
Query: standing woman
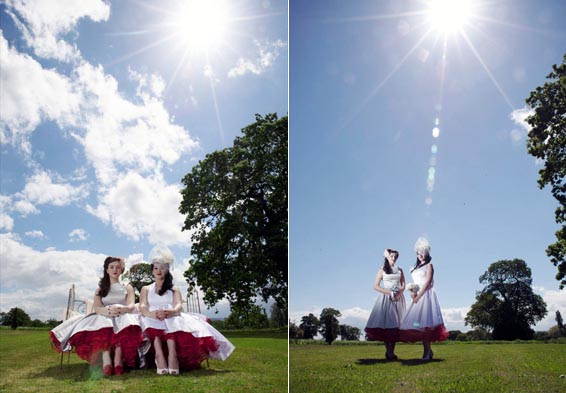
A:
423	320
385	318
111	330
188	338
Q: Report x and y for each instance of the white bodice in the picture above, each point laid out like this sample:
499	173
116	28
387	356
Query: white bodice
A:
393	279
116	295
156	302
419	276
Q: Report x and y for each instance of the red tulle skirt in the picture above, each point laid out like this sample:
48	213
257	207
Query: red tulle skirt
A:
385	335
89	344
191	350
437	333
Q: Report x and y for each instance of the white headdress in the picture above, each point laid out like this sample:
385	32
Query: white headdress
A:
422	245
161	254
386	253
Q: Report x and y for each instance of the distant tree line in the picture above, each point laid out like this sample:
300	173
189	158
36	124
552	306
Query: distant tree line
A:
17	317
327	325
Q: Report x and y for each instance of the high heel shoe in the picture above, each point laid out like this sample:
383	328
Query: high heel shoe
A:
174	371
107	370
118	370
161	371
428	355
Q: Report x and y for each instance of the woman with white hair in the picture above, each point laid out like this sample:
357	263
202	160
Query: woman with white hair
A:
188	338
423	320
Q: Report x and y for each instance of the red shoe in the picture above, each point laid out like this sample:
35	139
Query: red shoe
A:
107	370
118	370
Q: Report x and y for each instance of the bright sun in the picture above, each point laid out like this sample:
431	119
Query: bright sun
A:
201	24
449	16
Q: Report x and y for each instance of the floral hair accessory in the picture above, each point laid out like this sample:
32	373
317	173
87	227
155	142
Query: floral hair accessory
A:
386	253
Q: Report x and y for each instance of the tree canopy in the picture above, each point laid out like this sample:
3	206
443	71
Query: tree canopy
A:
547	142
235	202
507	306
16	317
138	276
309	326
329	325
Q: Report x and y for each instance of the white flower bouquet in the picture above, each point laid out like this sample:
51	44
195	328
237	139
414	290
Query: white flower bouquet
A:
394	291
413	288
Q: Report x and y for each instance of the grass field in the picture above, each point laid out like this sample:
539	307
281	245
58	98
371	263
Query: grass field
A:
28	364
470	367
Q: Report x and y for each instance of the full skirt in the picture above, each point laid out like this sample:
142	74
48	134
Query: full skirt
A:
423	320
92	334
385	318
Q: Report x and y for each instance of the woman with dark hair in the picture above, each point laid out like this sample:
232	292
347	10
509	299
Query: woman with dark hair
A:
423	320
385	317
188	337
111	330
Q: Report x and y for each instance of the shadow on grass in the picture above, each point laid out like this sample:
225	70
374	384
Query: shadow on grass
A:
85	372
404	362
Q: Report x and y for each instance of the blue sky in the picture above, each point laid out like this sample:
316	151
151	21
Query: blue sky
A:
104	107
369	82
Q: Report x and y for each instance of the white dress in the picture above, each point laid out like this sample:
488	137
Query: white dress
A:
385	318
196	340
423	320
93	333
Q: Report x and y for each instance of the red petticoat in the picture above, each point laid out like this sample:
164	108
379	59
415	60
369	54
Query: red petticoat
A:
191	350
89	344
437	333
385	335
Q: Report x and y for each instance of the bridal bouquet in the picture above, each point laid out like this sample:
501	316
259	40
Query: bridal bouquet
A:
394	291
413	288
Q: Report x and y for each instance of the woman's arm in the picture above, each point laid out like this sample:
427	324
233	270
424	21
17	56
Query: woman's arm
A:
130	300
144	306
428	280
177	304
376	285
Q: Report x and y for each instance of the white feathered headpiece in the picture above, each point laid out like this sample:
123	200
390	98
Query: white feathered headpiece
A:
161	254
422	245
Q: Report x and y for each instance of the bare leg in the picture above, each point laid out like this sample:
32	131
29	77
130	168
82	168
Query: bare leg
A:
173	361
427	350
107	368
160	362
118	357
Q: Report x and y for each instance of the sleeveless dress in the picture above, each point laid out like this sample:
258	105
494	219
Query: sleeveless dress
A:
384	320
196	340
423	321
94	333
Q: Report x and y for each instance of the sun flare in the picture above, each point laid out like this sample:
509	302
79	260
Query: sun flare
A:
449	16
201	24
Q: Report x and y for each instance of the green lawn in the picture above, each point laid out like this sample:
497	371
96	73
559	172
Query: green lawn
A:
28	364
475	367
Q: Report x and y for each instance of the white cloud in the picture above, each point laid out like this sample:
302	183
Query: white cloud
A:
141	207
48	22
35	234
25	207
122	135
555	301
78	234
38	282
41	189
6	222
268	52
31	94
518	116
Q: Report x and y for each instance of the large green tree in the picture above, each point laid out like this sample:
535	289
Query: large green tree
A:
350	333
139	275
16	317
309	325
507	306
329	324
235	202
547	142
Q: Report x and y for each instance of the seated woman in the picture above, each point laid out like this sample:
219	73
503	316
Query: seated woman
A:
111	330
189	338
